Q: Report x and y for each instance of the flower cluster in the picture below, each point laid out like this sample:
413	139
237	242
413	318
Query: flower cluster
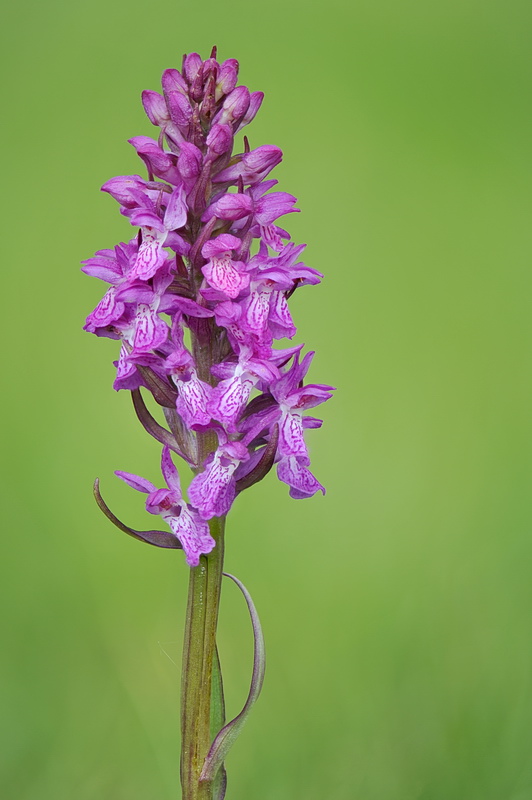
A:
199	296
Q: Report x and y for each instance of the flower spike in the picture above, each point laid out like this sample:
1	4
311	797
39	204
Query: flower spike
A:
198	300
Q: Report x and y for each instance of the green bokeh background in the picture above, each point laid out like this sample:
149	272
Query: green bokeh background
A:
397	609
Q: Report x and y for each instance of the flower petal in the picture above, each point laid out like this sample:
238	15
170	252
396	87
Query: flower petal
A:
192	401
229	399
176	211
135	481
150	256
280	319
107	311
300	479
221	274
291	441
169	470
193	533
221	244
150	330
256	310
126	372
213	490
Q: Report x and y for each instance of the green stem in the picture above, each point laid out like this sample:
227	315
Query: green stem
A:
199	650
198	654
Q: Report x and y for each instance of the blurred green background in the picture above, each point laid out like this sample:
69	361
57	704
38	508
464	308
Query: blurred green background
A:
397	609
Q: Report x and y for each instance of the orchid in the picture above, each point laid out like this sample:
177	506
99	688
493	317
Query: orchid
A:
221	271
198	300
184	521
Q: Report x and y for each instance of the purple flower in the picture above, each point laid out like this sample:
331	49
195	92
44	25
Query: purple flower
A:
194	395
127	376
293	398
111	266
283	406
158	210
221	271
185	522
268	208
232	393
212	491
148	330
156	233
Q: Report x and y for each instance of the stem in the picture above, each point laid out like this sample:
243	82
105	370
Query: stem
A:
199	649
198	654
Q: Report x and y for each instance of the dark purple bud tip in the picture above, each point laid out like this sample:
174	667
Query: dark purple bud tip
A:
163	539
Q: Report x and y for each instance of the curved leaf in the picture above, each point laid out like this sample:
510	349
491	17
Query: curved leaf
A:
157	538
151	425
225	738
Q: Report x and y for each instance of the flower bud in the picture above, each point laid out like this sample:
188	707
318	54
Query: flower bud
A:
220	139
255	103
234	107
227	78
155	108
189	161
124	189
173	81
192	65
179	108
253	166
159	162
210	69
230	206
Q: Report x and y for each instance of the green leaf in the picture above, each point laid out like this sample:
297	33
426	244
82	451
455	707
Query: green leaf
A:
228	734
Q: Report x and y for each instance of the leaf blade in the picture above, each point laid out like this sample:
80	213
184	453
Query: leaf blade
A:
229	733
